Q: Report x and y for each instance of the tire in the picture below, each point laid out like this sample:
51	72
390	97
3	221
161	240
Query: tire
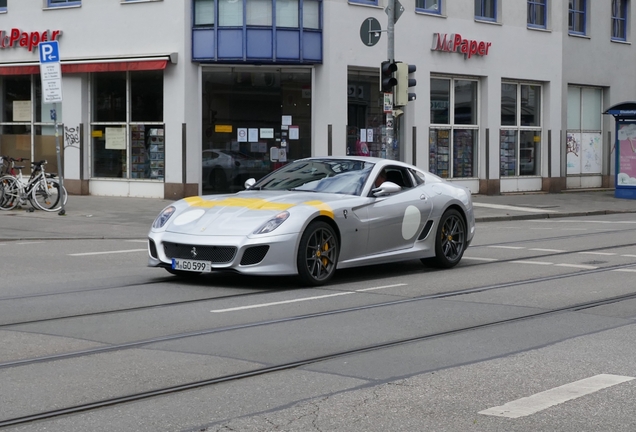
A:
317	254
10	193
450	241
49	198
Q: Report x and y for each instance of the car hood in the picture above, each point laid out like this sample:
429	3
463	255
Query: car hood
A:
245	212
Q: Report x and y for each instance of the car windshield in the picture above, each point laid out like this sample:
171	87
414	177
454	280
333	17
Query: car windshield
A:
319	175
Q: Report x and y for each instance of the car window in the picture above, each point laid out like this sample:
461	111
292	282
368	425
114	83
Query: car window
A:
319	175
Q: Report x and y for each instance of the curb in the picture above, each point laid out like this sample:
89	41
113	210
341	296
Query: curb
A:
550	215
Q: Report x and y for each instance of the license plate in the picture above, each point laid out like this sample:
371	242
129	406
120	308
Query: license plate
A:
191	265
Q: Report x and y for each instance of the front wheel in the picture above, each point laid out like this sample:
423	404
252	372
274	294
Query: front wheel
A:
450	242
49	195
317	254
10	193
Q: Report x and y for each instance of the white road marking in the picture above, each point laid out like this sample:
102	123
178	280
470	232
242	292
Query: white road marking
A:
29	242
597	253
574	229
533	262
577	266
558	395
542	229
629	256
480	259
548	250
625	270
507	207
300	299
506	247
583	221
108	252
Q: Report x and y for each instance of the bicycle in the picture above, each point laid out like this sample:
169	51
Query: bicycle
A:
41	189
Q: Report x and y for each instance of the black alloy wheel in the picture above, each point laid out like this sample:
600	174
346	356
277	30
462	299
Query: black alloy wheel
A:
450	242
317	254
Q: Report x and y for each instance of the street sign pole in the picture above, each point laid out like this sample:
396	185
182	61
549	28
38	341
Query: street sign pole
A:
51	76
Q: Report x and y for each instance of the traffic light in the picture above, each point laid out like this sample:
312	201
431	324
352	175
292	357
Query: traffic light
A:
404	82
387	80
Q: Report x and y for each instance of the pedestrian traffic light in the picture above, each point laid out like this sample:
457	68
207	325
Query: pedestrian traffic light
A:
404	82
387	80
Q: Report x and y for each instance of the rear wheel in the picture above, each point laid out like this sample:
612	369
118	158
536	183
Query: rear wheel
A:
49	195
450	242
317	254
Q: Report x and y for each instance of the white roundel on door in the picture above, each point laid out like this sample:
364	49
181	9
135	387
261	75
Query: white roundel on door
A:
411	222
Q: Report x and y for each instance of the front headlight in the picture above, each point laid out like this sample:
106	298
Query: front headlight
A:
273	223
163	217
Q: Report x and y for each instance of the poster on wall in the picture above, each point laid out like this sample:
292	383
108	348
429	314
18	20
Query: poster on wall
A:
116	138
573	153
627	156
591	153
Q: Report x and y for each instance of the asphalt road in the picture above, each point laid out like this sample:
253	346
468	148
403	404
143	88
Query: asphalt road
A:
532	331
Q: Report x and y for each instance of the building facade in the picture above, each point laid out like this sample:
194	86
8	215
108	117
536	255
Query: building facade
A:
170	98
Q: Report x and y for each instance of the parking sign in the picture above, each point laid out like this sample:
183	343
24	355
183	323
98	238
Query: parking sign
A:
50	71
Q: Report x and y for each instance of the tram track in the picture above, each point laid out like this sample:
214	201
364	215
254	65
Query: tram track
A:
134	397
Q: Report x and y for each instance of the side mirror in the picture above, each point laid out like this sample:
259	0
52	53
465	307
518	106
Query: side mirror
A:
386	188
249	183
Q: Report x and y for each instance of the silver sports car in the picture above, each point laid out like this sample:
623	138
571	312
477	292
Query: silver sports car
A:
315	215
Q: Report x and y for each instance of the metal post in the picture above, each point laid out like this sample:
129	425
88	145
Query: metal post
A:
60	171
390	53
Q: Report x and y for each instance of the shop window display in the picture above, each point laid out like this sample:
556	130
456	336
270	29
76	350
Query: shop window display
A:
454	131
520	135
26	127
255	120
127	130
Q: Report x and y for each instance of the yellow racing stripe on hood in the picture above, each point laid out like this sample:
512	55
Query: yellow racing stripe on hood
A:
255	204
250	203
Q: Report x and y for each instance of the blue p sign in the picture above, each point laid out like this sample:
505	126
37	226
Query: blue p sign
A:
49	52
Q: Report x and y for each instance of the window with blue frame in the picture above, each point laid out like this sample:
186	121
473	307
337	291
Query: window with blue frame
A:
52	3
486	10
577	12
367	2
537	13
619	20
430	6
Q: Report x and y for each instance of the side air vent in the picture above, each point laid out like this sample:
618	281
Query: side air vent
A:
153	249
254	255
426	230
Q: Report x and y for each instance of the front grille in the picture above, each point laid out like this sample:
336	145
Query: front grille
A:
215	254
153	249
254	255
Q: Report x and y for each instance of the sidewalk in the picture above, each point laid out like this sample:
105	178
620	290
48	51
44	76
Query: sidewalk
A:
114	217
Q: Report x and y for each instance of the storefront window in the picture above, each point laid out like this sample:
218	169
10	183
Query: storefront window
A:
520	135
366	119
254	121
584	147
454	128
127	130
27	127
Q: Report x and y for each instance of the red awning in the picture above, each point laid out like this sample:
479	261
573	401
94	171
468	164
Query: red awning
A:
138	64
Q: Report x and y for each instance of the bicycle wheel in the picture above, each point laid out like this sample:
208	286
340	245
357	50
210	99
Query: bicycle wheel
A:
10	193
48	196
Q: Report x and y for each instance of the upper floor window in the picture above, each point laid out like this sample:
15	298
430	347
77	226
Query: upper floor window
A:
486	10
3	5
52	3
230	13
619	20
577	12
431	6
369	2
537	13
